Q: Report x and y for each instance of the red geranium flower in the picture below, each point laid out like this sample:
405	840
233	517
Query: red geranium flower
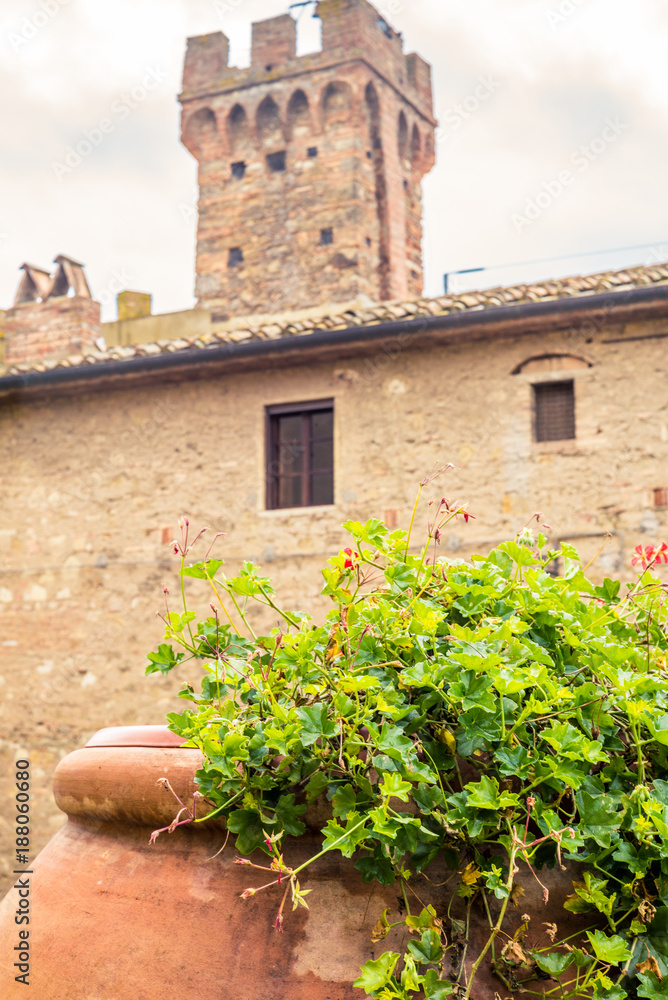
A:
648	555
351	557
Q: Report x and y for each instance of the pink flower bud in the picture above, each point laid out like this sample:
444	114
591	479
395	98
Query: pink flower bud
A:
279	923
165	589
242	861
247	893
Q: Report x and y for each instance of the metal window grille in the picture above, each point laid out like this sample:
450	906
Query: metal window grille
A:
554	411
300	455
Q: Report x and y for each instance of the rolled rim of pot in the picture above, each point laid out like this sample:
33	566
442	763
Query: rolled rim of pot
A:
136	736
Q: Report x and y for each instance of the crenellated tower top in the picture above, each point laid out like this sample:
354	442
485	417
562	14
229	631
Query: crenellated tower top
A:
310	167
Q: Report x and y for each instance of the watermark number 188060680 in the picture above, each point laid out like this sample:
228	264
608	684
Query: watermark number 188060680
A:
22	884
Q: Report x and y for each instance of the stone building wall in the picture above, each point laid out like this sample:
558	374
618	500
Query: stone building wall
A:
94	481
310	167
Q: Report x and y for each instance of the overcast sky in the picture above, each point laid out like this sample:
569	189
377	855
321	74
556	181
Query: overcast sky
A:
526	91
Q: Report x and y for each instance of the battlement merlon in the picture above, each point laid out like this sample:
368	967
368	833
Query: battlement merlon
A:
206	61
351	29
273	42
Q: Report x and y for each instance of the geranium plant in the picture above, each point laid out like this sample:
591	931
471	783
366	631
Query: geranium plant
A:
489	715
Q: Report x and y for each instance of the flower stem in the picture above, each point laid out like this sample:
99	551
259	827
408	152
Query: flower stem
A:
497	927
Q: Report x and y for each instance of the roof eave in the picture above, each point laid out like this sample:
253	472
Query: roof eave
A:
473	325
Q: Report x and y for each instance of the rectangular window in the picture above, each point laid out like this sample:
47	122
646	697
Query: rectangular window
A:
238	169
300	454
235	257
326	236
276	162
554	411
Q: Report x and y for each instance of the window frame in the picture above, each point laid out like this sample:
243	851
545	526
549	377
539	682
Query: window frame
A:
272	479
536	388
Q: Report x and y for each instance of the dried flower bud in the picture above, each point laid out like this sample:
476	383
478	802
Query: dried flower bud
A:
165	589
279	923
551	930
526	918
242	861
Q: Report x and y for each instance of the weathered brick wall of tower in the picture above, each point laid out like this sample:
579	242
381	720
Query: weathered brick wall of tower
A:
310	168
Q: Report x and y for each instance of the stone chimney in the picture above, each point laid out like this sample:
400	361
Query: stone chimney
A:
53	315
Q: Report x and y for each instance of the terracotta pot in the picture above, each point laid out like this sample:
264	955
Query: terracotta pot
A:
113	917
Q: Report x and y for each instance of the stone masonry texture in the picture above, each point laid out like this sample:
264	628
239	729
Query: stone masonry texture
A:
94	482
310	168
97	470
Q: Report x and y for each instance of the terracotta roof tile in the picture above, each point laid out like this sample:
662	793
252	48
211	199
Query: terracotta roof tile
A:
369	315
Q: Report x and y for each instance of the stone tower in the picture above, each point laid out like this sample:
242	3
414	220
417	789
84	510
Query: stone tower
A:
310	168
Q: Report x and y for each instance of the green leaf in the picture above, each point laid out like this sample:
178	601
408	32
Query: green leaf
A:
554	962
164	660
485	794
410	978
315	724
376	868
652	987
609	949
288	813
203	570
248	826
435	988
599	817
392	786
426	918
344	801
571	743
428	949
520	555
376	973
345	839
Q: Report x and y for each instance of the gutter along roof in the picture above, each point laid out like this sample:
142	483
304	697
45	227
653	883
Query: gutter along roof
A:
601	299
